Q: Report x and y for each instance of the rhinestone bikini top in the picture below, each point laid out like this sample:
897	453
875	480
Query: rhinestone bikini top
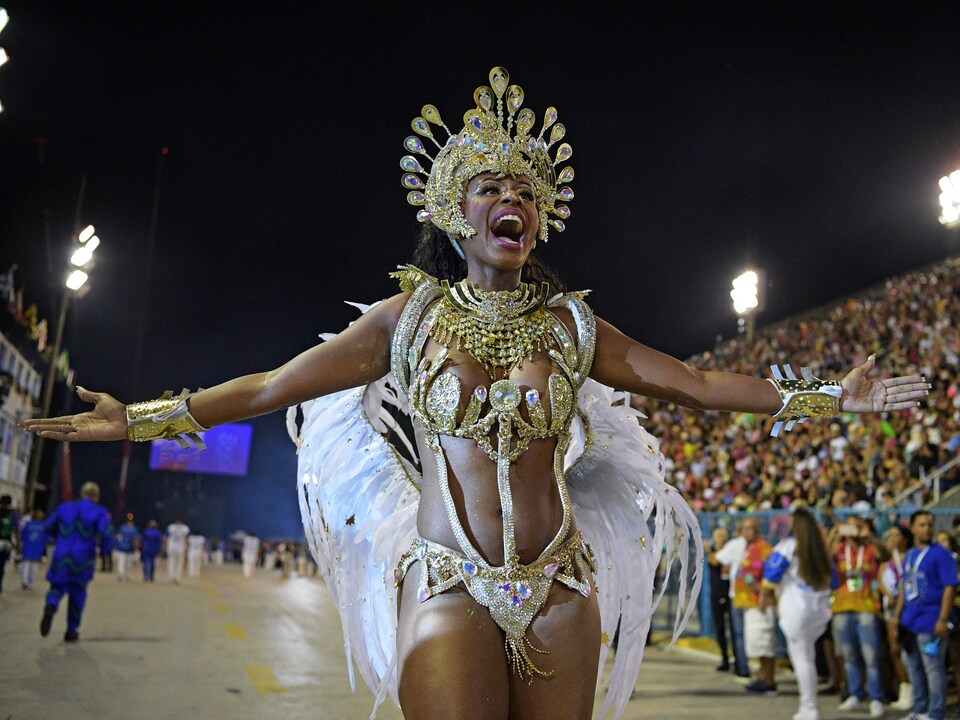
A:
499	330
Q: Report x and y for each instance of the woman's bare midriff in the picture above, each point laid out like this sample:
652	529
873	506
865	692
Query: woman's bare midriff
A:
472	476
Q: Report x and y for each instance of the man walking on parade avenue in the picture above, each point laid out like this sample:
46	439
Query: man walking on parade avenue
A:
858	555
196	546
251	550
719	593
176	549
33	539
127	539
8	533
758	627
730	556
150	545
78	527
216	551
923	612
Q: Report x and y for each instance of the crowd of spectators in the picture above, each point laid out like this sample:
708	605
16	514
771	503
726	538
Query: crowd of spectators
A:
727	463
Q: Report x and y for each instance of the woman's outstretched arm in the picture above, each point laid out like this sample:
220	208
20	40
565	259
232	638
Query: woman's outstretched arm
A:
623	363
358	355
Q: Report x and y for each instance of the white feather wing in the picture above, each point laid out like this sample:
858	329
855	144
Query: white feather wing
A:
633	519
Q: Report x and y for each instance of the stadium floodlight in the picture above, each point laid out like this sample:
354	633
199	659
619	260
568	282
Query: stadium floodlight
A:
76	280
84	254
950	199
745	293
746	301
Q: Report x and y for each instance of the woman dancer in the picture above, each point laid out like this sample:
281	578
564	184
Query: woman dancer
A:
800	566
498	612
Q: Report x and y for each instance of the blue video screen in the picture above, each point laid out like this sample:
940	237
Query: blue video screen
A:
227	453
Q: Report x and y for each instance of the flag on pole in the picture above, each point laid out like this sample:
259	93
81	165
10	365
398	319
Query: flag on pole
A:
16	307
42	335
63	365
29	320
7	293
66	474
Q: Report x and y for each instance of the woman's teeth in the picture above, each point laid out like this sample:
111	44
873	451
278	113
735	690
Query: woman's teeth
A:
509	227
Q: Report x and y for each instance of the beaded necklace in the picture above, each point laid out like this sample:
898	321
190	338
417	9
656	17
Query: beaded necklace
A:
499	329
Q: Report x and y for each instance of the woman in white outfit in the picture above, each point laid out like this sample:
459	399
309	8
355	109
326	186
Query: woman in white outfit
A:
251	549
898	540
799	568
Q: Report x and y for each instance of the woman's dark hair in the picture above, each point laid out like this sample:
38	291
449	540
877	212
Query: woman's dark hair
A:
907	534
435	255
812	557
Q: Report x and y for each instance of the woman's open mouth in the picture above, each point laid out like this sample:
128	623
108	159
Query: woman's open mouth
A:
507	228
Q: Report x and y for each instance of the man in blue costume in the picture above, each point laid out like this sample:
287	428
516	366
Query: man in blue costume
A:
924	612
78	527
127	538
150	546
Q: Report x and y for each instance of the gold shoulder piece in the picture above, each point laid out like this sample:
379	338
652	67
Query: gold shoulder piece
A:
411	277
586	331
424	293
578	294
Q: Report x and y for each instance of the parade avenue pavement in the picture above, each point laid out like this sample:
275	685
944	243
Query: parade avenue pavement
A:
222	646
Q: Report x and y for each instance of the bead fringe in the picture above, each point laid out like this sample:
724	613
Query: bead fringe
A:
519	660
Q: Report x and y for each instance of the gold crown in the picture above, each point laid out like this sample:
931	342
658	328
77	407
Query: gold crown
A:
485	144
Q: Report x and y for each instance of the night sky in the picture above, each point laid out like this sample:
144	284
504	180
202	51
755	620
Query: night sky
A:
705	139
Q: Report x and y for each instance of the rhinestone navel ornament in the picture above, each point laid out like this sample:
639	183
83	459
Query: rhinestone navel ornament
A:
485	144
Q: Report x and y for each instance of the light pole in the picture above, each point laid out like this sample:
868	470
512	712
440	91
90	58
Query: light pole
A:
76	281
950	199
746	301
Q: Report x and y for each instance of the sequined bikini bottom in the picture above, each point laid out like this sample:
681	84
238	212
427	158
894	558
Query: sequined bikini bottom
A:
513	595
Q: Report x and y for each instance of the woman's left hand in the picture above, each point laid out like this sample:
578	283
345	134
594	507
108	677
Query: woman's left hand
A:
860	394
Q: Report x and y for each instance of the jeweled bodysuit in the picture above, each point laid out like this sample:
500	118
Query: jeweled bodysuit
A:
499	330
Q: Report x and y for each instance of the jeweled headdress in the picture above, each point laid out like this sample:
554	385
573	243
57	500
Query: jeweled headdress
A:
486	145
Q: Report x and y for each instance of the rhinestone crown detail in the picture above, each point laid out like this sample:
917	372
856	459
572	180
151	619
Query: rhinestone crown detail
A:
490	141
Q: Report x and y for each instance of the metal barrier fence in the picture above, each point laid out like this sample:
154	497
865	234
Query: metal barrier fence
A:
774	526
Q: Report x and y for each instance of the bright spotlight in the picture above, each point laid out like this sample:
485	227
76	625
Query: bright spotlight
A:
76	280
745	293
86	234
950	199
81	256
84	254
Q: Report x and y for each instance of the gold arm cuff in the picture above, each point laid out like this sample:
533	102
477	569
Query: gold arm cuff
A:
802	399
166	417
768	585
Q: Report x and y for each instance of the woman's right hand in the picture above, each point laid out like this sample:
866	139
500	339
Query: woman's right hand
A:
107	421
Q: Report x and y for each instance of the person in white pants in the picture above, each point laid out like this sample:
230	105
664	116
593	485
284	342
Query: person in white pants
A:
216	554
196	544
126	545
251	550
800	566
176	547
